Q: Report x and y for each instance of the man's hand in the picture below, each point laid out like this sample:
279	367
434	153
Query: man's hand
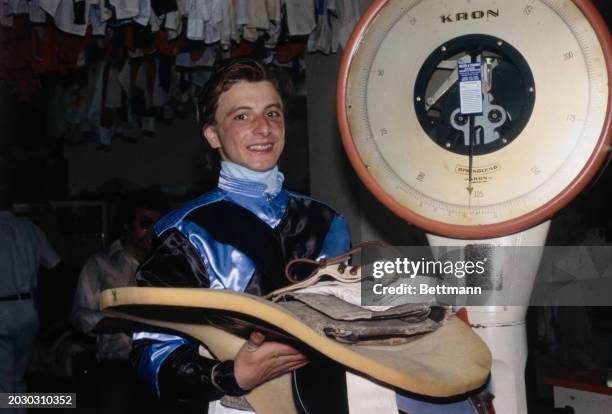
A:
259	361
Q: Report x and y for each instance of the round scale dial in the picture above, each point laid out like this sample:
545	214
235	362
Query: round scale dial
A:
541	132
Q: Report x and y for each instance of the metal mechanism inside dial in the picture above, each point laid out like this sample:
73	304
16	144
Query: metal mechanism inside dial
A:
508	94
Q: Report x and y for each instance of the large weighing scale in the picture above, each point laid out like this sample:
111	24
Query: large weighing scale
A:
487	170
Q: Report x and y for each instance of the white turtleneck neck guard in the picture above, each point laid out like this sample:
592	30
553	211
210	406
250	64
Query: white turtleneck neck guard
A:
272	179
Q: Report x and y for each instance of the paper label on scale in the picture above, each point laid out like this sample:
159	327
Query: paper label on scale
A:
470	88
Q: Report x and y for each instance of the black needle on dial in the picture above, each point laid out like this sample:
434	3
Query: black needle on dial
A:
477	57
470	153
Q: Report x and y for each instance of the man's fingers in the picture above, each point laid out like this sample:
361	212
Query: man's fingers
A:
281	349
286	368
286	364
262	361
298	366
288	359
295	365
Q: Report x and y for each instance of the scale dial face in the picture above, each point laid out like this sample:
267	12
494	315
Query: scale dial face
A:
543	132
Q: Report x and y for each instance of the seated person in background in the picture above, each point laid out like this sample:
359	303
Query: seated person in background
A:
115	266
240	236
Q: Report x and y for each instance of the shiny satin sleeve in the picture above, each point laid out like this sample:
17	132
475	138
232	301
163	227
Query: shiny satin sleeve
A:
150	350
173	367
226	266
174	262
160	359
337	240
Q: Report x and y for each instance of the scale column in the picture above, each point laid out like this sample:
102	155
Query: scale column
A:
500	321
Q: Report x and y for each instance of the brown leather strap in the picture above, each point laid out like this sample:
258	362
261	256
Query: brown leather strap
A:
327	261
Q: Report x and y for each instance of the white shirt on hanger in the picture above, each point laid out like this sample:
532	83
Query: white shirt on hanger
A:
37	15
64	16
6	19
228	24
258	14
196	11
212	30
144	12
300	17
126	9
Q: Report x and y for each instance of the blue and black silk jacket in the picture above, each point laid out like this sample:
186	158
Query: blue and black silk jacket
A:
236	237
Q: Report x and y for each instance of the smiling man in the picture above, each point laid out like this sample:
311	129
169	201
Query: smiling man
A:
249	129
240	236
